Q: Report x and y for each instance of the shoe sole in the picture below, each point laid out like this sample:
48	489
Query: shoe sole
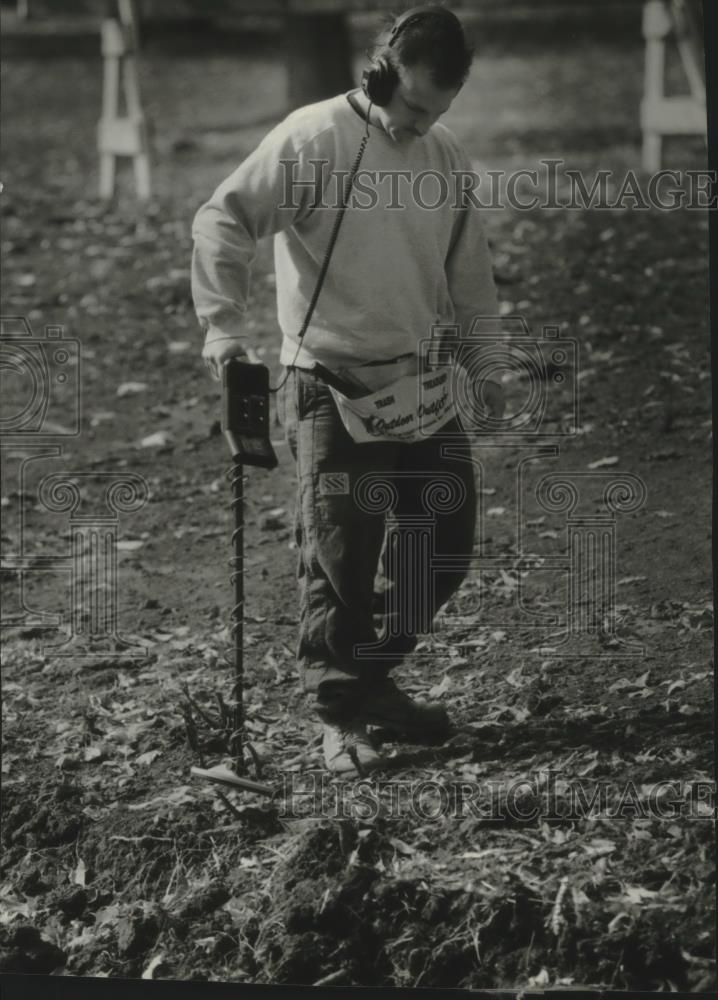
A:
352	769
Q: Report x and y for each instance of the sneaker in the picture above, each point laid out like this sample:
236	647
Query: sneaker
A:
388	707
345	744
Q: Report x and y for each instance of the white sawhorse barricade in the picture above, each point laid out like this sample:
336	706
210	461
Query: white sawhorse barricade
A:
122	134
661	115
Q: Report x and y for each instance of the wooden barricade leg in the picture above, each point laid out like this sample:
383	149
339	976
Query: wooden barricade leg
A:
122	134
112	51
656	25
662	115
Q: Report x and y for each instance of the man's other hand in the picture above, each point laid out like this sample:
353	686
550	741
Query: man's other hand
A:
217	352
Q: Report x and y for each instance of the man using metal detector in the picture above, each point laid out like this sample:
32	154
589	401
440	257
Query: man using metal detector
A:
368	264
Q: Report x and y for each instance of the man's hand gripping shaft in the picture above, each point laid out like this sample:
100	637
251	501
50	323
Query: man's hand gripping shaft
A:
219	349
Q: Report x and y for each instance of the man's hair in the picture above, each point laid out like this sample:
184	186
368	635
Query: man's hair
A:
435	40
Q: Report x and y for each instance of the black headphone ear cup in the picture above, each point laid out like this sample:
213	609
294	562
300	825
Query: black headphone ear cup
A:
379	81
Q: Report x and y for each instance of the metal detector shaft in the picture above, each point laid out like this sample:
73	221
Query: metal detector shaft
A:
237	742
245	423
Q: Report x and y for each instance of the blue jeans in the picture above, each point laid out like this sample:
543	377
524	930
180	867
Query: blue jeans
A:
345	490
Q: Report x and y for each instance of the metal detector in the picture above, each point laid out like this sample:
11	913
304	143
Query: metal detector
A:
245	424
246	428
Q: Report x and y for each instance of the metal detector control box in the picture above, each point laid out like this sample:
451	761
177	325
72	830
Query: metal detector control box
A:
245	413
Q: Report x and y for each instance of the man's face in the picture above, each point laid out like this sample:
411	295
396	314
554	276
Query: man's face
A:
415	105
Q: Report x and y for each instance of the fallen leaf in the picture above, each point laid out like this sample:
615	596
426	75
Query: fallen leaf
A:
616	921
637	894
131	388
438	689
621	684
599	846
542	978
401	846
160	439
100	416
624	682
149	971
12	908
81	940
601	463
80	873
107	914
519	714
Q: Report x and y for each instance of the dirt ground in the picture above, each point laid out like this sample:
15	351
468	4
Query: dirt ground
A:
116	861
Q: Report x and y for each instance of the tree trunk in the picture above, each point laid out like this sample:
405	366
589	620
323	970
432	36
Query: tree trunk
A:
319	57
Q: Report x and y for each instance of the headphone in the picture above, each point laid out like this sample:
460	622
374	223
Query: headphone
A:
380	78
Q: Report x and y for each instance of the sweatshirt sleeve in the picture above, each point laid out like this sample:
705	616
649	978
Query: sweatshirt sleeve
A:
468	265
275	187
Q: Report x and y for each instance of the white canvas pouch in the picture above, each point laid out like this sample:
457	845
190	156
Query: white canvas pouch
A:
409	409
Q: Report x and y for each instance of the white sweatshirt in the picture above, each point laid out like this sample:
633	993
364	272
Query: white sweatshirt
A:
394	271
